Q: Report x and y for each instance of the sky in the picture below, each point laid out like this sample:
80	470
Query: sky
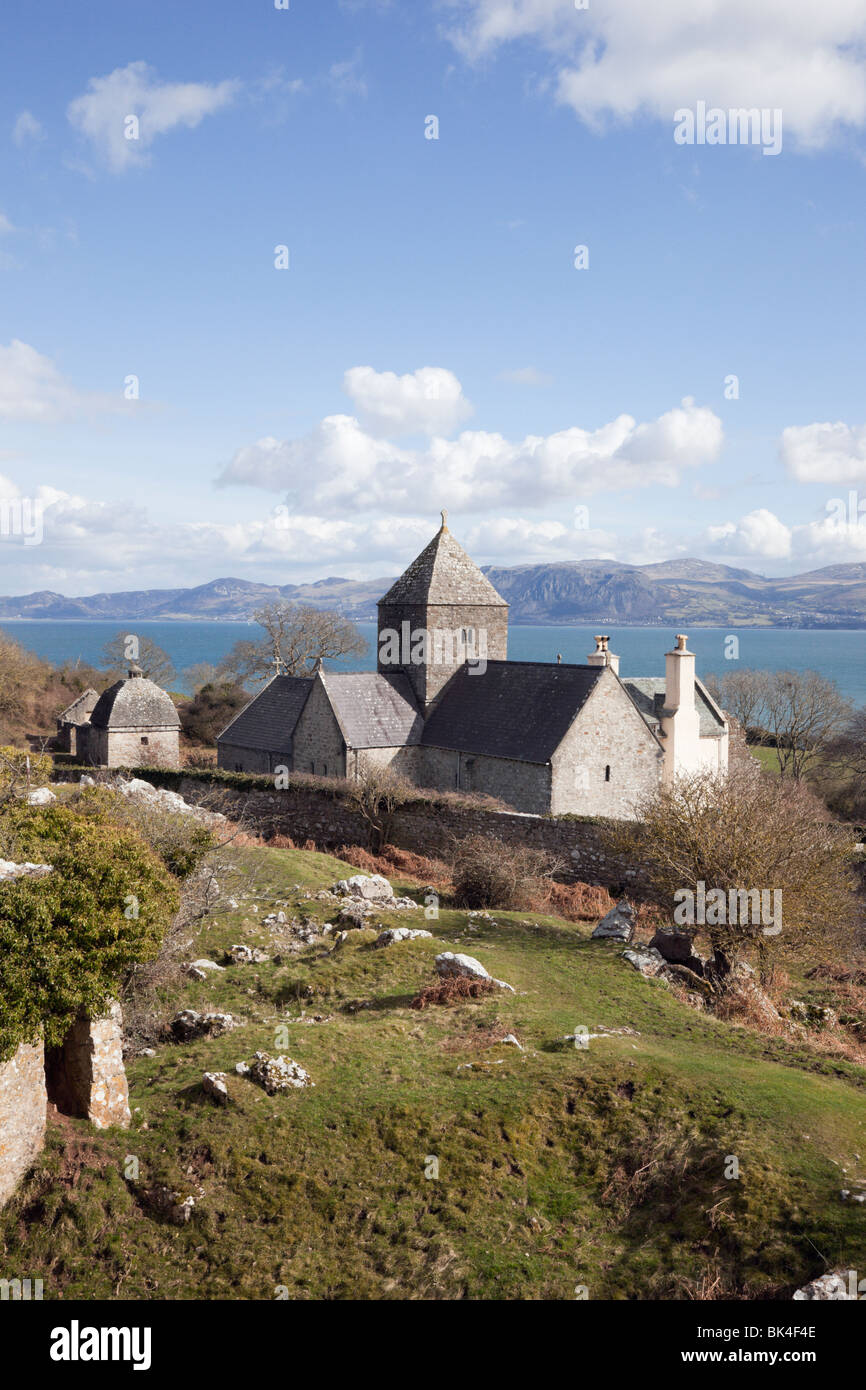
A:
279	281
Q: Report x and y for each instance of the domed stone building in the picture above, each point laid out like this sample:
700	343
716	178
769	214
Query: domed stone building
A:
134	722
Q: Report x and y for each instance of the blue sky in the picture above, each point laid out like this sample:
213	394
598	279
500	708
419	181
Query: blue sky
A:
431	343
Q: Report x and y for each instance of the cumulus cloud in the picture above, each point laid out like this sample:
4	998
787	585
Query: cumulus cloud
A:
427	401
825	453
758	533
32	388
102	113
341	464
624	58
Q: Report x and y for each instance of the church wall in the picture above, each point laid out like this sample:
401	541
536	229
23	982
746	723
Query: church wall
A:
608	733
236	759
318	741
525	786
402	761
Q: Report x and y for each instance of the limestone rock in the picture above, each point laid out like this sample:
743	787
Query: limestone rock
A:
371	887
618	924
275	1073
189	1024
677	947
827	1286
647	959
206	965
10	870
392	934
42	796
213	1084
245	955
451	963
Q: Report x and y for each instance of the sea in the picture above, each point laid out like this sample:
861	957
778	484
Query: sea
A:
838	655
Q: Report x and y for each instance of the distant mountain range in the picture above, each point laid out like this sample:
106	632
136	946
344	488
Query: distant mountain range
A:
583	591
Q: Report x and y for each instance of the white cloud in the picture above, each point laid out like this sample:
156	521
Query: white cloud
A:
626	57
340	464
5	225
428	401
26	129
758	533
102	113
32	388
825	453
347	79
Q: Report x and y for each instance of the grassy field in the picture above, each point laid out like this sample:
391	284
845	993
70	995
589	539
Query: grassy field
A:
557	1167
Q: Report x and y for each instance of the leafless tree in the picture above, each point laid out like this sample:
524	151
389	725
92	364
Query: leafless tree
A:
297	636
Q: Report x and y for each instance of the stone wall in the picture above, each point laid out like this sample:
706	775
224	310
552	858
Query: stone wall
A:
507	779
86	1076
430	677
23	1103
425	826
129	747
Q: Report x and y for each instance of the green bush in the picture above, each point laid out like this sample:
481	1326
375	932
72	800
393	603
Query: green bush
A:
15	760
67	939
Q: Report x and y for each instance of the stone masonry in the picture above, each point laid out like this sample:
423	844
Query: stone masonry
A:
86	1076
22	1114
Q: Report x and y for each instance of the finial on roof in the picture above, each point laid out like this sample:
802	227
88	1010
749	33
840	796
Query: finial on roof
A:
319	666
135	671
444	518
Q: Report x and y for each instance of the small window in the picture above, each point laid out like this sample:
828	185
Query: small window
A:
313	768
467	636
144	738
607	773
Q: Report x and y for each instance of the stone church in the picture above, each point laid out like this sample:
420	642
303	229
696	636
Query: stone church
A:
447	710
131	724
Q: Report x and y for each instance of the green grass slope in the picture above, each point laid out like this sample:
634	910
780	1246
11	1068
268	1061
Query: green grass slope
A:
558	1168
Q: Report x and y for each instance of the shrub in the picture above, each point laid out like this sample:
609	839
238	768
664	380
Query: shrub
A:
453	991
67	939
488	873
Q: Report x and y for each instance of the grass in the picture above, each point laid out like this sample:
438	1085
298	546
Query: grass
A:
557	1167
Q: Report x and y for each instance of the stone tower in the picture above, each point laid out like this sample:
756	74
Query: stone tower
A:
440	613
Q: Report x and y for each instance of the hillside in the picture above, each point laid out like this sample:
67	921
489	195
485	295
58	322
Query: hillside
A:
676	591
557	1167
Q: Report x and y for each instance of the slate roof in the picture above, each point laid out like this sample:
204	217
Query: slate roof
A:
268	721
515	709
134	703
444	573
648	693
374	710
79	711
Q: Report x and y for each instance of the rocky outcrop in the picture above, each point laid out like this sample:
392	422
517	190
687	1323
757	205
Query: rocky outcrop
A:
23	1103
275	1073
827	1286
392	934
618	924
677	947
86	1076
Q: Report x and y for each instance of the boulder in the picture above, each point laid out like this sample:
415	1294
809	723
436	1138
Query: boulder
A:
826	1286
371	887
618	924
392	934
42	796
189	1024
647	959
275	1073
213	1083
450	964
677	949
245	955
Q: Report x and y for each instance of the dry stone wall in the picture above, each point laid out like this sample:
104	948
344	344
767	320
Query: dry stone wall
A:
23	1102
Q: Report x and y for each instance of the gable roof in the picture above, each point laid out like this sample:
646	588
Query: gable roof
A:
268	722
135	703
443	573
515	709
648	693
372	709
79	711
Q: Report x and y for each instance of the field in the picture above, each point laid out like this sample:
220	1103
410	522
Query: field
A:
560	1169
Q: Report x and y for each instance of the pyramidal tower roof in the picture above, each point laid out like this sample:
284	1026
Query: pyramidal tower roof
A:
443	573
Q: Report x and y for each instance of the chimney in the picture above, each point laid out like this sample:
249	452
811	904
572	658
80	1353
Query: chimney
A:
680	723
603	656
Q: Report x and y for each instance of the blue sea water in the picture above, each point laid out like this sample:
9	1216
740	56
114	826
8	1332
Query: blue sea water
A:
841	656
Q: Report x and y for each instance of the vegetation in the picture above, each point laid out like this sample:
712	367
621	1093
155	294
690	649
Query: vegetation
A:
800	714
746	832
209	711
486	874
67	938
555	1166
128	649
297	636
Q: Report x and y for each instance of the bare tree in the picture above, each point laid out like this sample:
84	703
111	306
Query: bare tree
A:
746	833
297	636
804	712
200	674
153	661
376	795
